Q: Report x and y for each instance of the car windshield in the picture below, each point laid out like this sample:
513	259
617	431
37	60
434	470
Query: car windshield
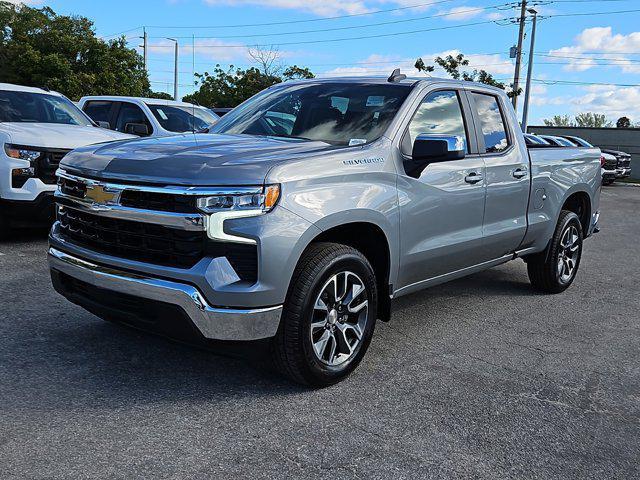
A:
579	141
178	118
28	107
335	113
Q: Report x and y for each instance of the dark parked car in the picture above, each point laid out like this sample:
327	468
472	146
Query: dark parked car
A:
623	168
558	141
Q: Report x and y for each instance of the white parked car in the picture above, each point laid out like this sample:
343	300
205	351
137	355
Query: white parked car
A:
147	117
37	128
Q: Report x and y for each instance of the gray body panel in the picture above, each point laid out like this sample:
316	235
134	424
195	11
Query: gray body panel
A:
437	226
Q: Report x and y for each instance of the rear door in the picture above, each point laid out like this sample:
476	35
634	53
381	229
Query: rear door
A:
441	212
507	175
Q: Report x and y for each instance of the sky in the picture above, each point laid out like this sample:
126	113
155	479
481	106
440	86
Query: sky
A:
586	57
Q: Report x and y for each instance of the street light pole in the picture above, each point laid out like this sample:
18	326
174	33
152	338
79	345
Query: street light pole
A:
525	109
175	73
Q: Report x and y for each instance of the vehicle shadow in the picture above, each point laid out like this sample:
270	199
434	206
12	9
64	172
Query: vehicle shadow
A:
75	359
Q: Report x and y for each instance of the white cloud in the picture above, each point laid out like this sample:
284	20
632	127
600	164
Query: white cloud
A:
463	13
603	41
382	64
213	49
324	8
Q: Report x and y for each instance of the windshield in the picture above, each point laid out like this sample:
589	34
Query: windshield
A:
181	119
31	107
335	113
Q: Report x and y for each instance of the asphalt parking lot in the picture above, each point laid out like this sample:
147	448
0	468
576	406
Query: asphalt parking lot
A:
479	378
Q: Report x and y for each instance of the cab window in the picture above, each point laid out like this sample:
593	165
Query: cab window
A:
492	123
99	111
439	113
131	114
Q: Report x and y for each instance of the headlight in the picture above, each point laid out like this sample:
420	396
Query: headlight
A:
21	153
262	201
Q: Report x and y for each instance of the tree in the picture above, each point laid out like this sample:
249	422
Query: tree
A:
623	122
559	121
595	120
229	88
453	66
160	95
43	49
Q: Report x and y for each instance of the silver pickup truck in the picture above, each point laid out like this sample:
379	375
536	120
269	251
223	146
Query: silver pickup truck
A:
306	209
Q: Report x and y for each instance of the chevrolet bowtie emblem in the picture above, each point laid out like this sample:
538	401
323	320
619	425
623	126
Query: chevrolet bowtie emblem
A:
102	195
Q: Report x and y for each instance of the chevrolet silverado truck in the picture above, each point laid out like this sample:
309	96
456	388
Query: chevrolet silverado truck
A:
309	207
37	128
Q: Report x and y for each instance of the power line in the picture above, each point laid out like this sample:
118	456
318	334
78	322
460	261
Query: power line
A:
289	22
368	25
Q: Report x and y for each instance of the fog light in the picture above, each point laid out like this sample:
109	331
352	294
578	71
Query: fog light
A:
19	176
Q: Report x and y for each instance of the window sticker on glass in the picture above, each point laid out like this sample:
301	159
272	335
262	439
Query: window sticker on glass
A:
357	141
162	114
375	101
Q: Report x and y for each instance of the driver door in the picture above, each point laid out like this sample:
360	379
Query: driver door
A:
441	211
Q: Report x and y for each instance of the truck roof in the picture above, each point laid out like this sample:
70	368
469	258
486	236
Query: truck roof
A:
409	81
22	88
150	101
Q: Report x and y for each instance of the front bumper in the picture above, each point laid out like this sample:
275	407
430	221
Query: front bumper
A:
211	322
623	172
29	212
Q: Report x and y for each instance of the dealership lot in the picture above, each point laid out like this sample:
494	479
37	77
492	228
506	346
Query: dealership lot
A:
481	377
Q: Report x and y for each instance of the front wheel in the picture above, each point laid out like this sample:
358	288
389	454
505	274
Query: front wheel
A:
329	315
554	270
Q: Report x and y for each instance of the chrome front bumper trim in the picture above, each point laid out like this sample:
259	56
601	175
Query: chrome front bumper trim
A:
213	323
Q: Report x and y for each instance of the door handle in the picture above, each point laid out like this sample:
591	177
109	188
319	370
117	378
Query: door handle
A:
519	173
473	177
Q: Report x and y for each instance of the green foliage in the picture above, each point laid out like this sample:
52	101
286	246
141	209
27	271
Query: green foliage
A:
590	119
559	121
623	122
160	95
43	49
454	67
230	88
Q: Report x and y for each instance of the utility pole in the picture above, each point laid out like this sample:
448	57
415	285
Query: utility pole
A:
525	109
516	76
144	47
175	73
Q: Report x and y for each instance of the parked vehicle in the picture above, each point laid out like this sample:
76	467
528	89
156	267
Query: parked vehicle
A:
558	141
147	117
533	140
623	168
220	111
37	128
304	233
609	168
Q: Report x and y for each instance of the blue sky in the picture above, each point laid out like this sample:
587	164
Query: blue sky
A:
594	48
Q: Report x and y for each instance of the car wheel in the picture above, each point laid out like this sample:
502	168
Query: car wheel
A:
554	270
607	182
329	315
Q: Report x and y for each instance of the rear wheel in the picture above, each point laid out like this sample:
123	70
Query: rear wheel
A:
554	270
329	316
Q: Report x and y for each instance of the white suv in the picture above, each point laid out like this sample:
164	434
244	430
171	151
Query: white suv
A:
37	128
147	117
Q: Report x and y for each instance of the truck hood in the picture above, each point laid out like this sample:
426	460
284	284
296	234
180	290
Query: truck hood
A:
191	159
57	135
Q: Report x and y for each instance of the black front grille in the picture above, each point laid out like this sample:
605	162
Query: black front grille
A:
47	164
72	187
624	162
164	202
144	242
151	243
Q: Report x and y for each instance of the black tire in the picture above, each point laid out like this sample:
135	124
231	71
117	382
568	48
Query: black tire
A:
607	182
544	269
293	346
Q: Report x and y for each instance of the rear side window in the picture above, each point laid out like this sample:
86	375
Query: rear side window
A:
131	114
492	123
439	113
99	111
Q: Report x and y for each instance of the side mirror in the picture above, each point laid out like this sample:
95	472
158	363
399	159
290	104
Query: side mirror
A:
103	124
431	148
139	129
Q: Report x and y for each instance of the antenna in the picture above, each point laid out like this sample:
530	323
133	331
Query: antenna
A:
396	76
